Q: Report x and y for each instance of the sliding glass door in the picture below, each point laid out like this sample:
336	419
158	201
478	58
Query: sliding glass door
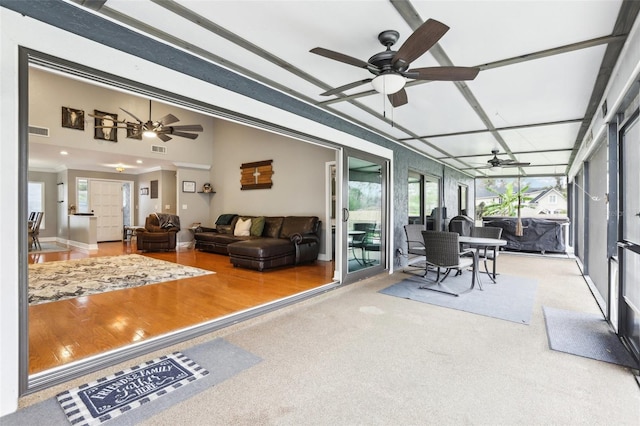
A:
364	215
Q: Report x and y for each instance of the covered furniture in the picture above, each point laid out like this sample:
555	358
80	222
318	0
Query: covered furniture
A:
461	224
442	250
159	232
487	253
267	242
539	235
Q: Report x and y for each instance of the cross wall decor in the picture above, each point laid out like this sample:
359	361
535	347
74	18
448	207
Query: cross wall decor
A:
256	175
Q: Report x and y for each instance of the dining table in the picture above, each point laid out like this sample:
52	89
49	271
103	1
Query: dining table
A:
483	243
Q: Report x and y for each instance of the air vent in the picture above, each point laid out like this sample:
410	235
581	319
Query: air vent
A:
159	149
39	131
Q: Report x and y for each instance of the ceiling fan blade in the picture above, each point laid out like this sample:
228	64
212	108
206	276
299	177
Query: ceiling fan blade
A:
515	164
186	127
443	73
340	57
168	119
163	137
398	99
419	42
133	116
346	87
185	135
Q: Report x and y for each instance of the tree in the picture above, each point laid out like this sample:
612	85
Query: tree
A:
508	204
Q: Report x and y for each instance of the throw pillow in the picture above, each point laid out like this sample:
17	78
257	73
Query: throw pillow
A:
243	228
257	226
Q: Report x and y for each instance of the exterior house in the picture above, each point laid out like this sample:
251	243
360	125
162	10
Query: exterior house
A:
547	202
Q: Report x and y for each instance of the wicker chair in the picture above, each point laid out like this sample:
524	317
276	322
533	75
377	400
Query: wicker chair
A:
415	247
443	252
485	253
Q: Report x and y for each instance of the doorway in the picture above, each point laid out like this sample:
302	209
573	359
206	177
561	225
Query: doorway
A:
364	215
629	236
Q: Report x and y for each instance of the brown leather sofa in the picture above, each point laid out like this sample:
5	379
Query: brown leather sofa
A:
281	241
159	232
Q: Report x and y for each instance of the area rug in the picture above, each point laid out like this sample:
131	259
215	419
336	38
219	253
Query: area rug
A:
109	397
50	248
510	299
220	358
53	281
586	335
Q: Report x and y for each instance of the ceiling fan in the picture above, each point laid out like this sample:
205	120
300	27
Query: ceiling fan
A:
391	68
160	128
497	162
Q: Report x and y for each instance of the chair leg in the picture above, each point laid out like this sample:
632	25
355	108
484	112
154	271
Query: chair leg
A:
486	269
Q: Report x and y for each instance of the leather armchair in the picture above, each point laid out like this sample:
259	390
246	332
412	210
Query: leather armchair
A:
159	232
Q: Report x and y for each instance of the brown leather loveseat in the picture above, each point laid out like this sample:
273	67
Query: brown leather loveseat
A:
267	241
159	232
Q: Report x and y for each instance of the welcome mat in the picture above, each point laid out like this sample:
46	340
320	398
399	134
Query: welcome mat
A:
584	334
510	299
223	360
111	396
53	281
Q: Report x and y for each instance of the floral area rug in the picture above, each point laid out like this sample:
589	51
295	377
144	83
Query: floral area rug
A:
53	281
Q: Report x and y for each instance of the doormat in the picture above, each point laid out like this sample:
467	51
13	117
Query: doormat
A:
586	335
511	299
104	399
53	281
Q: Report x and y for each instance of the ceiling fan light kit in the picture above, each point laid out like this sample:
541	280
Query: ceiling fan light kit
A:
388	84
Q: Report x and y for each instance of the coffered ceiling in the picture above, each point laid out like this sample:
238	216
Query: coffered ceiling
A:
543	66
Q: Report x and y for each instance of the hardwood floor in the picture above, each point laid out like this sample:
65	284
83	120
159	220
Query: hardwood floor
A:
73	329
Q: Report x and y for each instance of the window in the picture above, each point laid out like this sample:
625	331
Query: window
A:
553	198
424	199
82	196
35	199
463	197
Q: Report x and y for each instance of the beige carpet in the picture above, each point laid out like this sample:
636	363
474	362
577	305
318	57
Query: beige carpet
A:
52	281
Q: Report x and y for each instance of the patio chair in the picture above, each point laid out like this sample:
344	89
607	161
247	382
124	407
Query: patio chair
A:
415	247
485	253
442	250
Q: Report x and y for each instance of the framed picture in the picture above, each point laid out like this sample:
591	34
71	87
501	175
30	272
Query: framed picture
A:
133	131
105	126
144	191
188	186
72	118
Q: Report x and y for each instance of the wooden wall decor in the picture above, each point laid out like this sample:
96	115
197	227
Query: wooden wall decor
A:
256	175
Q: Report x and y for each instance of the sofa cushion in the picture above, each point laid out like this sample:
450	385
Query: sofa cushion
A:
298	225
225	219
257	226
243	228
272	226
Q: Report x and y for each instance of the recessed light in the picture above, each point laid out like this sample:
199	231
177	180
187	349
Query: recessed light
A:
139	161
64	153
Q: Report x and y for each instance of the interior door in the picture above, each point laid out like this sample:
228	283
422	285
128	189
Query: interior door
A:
106	205
364	215
629	241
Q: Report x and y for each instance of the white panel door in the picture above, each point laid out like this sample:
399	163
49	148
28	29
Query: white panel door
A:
106	204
